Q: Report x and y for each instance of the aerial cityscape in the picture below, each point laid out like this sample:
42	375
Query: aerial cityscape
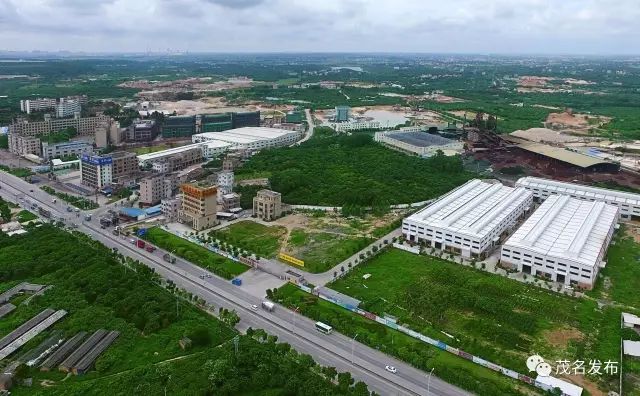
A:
278	197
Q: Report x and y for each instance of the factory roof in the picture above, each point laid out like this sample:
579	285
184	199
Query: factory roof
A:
168	152
558	153
244	135
601	194
567	228
474	209
419	139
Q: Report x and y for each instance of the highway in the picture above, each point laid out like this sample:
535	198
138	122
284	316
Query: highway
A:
364	363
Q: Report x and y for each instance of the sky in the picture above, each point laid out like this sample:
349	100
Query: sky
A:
598	27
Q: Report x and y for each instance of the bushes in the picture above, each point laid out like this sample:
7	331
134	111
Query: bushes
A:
78	202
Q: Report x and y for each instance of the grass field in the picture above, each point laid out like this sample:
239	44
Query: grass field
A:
321	251
196	254
25	215
251	236
499	319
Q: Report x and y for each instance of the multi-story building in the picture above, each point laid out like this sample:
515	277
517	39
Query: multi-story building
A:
142	131
628	203
355	126
65	149
245	119
199	206
171	208
182	158
68	107
251	138
216	122
96	171
230	201
225	182
124	164
342	113
85	126
108	134
39	104
469	220
179	126
230	163
267	205
23	145
155	188
564	240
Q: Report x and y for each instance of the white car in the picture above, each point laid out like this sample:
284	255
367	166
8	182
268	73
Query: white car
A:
391	369
254	307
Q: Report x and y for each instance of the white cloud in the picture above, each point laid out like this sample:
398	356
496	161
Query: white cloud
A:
542	26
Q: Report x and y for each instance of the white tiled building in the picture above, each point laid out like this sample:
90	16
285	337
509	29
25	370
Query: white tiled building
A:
628	203
564	240
470	219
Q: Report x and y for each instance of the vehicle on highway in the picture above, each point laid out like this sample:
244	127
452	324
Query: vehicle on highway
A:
87	217
132	241
201	276
323	328
140	243
268	306
77	210
54	200
254	307
169	258
69	209
30	190
150	248
391	369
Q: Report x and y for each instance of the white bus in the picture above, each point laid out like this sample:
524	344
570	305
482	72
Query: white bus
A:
323	328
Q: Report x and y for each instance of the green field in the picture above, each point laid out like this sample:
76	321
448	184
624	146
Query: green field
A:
25	215
251	236
198	255
499	319
321	251
19	172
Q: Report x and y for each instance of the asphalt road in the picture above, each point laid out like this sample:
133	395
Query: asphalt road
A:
364	363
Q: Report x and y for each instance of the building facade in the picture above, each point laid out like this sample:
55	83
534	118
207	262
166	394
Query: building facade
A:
34	105
469	220
124	164
142	131
230	201
246	119
65	149
96	171
199	206
565	240
155	188
171	208
85	126
342	113
351	126
23	145
225	182
68	107
267	205
179	126
250	138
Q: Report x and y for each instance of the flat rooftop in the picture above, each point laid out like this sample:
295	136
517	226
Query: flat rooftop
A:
567	228
473	209
167	152
245	135
579	190
420	139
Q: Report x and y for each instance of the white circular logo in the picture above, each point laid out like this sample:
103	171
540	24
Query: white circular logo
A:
533	361
543	369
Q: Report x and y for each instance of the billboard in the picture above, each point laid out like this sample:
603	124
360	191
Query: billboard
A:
96	160
290	259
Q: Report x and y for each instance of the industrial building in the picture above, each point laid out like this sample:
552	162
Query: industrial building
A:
96	171
216	122
142	131
342	114
469	220
24	145
351	126
419	143
155	188
628	203
199	206
179	126
251	138
65	149
86	126
267	205
564	240
246	119
181	157
108	134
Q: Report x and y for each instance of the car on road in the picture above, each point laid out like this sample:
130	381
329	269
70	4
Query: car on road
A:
254	307
30	190
201	276
391	369
69	209
54	200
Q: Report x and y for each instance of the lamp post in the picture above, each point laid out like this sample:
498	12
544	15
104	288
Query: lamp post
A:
353	341
429	382
293	320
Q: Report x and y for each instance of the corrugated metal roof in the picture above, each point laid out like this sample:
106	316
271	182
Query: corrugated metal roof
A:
562	154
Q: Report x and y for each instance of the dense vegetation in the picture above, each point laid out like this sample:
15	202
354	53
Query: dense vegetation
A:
354	170
78	202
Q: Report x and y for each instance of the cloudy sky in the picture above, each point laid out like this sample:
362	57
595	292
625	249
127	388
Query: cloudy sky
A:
457	26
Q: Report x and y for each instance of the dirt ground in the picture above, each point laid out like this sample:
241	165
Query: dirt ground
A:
576	123
584	382
633	230
560	337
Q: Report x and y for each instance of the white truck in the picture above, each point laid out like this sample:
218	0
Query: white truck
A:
268	306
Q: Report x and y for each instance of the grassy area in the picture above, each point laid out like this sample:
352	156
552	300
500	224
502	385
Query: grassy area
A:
455	370
251	236
78	202
198	255
499	319
25	215
19	172
320	251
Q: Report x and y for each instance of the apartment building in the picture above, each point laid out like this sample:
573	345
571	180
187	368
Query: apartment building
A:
199	206
171	208
65	149
225	182
124	164
267	205
155	188
39	104
96	171
67	107
23	145
178	161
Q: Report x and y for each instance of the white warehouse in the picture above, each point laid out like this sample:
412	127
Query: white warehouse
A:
565	241
250	138
470	219
628	203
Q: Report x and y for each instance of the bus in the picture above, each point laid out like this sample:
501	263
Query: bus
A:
323	328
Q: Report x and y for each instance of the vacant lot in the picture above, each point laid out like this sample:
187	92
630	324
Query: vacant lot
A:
254	237
493	317
196	254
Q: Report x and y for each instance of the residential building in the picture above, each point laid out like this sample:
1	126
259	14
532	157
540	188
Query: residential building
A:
171	208
469	220
230	163
155	188
65	149
342	114
251	138
124	164
68	107
142	131
225	182
184	156
96	171
628	203
267	205
564	240
179	126
199	206
178	161
85	126
108	133
39	104
419	143
230	201
23	145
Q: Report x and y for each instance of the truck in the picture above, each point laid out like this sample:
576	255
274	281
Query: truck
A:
44	213
268	306
140	244
169	258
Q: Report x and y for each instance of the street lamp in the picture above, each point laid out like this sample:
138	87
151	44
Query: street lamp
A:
429	381
353	341
293	320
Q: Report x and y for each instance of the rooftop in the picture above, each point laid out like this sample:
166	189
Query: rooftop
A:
558	153
269	193
474	209
171	151
420	139
567	228
245	135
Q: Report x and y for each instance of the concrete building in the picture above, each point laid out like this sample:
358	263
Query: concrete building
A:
96	171
108	133
67	107
230	163
65	149
225	182
214	149
171	208
355	126
199	206
124	164
628	203
230	201
184	156
176	127
245	119
469	220
85	126
142	131
419	143
251	138
564	240
342	114
216	122
178	161
267	205
24	145
155	188
39	104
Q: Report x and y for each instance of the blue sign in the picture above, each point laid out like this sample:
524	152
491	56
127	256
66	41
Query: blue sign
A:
96	160
142	231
